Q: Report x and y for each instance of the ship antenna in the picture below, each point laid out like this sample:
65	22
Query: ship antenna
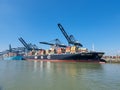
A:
93	47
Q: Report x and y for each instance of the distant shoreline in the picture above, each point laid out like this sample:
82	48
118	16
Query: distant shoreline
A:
112	59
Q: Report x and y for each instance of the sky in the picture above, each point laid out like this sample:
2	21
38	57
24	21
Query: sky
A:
92	22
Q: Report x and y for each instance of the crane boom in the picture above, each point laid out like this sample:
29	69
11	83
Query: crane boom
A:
70	39
10	48
24	43
74	41
46	43
28	46
64	33
60	45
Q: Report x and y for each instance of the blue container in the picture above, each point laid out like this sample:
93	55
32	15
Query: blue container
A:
13	58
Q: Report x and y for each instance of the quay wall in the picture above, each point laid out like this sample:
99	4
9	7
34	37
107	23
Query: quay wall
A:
112	59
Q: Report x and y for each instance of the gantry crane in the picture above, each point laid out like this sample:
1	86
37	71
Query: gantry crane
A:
57	43
28	46
70	39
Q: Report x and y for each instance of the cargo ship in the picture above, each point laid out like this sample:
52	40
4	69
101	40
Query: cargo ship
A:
76	57
74	51
11	54
13	58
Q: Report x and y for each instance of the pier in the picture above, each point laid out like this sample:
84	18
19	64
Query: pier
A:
112	59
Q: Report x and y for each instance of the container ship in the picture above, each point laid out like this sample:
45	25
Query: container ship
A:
12	53
76	57
74	51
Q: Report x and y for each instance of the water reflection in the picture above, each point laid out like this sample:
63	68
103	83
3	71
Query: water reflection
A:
33	75
1	88
71	69
35	65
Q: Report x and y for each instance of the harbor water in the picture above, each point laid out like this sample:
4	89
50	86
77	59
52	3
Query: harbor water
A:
33	75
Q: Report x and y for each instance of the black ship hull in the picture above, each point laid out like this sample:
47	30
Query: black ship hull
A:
78	57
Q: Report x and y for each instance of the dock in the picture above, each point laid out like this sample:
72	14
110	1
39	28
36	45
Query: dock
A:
112	59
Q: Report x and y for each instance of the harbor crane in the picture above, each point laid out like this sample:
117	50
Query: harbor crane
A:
28	46
10	48
70	39
57	43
